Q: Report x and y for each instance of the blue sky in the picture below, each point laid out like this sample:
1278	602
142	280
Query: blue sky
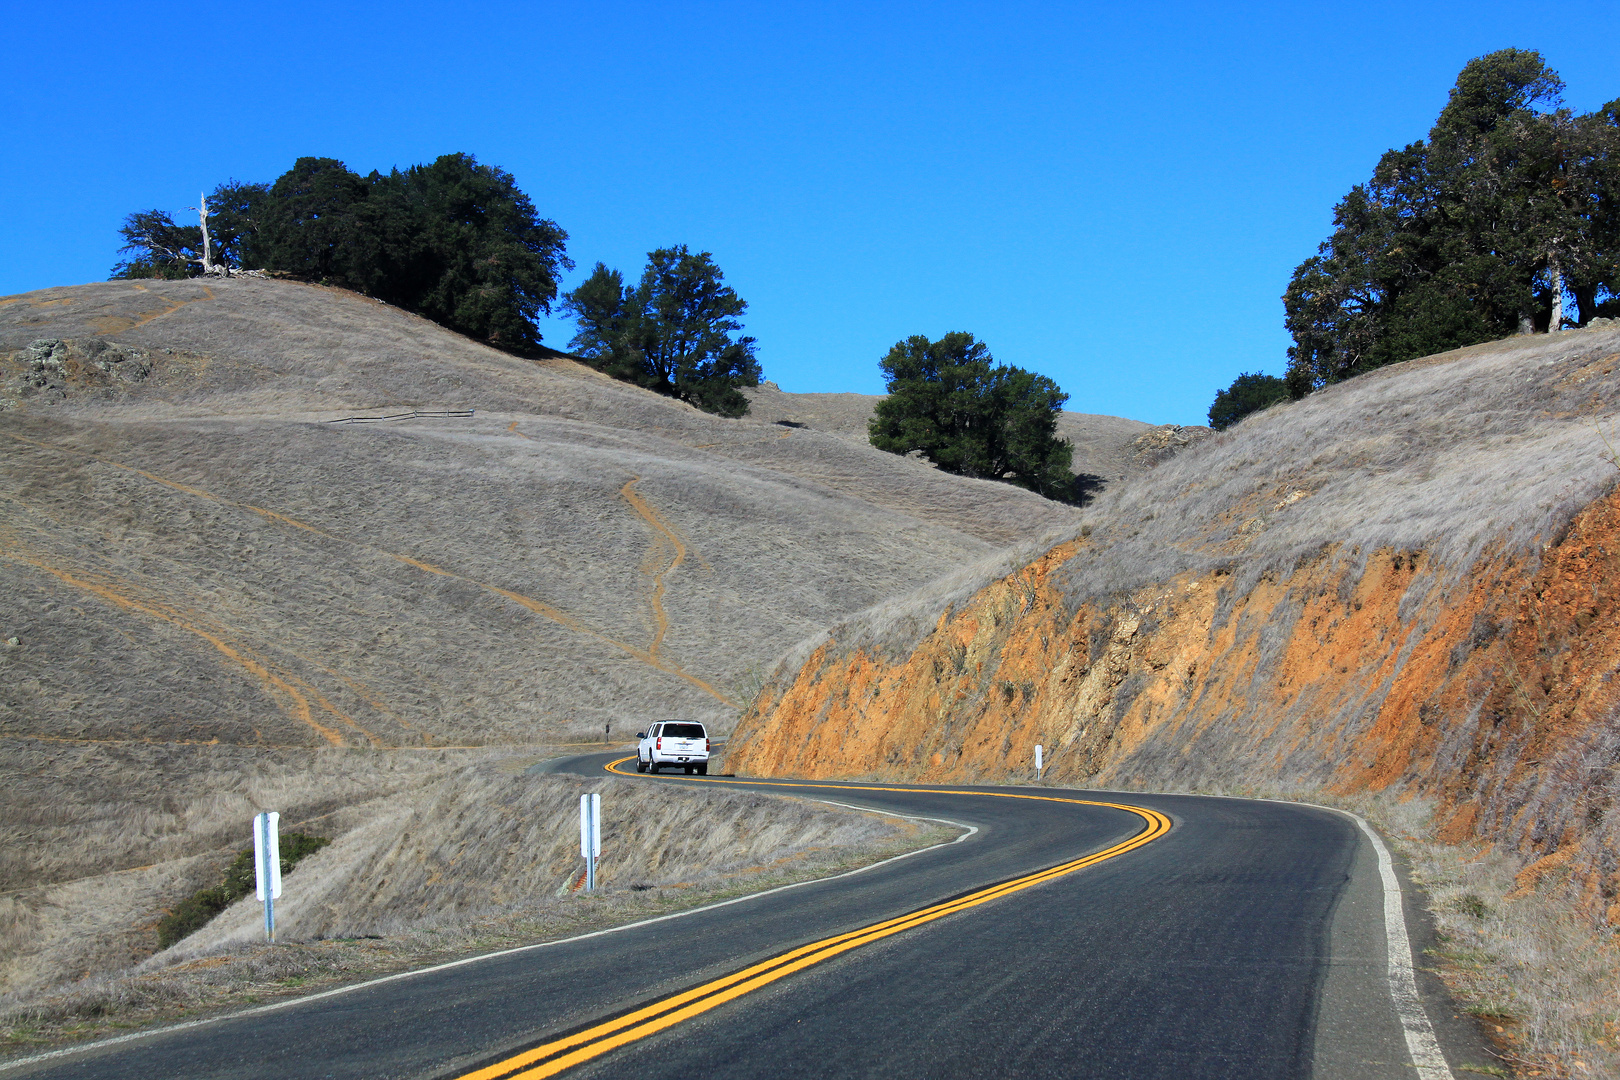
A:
1111	194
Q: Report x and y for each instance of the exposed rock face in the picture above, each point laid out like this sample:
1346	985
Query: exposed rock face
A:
1471	658
53	369
1154	446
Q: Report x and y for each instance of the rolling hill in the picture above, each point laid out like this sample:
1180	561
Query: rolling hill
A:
228	586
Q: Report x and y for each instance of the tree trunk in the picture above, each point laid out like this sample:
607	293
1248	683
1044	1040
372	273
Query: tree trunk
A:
208	264
1585	302
1555	275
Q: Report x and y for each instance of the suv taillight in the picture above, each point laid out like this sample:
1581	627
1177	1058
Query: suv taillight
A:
658	744
705	746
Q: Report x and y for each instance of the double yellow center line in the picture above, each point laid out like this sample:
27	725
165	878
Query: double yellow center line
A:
553	1057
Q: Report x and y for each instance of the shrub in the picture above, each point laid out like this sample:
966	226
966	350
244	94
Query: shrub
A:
195	911
1248	393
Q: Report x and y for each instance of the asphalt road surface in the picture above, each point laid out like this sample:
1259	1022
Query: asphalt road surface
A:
1248	940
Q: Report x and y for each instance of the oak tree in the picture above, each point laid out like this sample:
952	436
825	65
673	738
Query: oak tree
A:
951	402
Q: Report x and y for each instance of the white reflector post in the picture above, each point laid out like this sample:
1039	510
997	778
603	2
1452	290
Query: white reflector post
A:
1037	761
267	854
590	835
267	866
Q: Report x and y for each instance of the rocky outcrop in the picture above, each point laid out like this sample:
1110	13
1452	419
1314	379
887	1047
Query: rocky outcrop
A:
52	369
1154	446
1233	619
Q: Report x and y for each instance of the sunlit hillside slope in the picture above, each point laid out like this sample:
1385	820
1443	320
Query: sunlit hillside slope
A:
214	599
1408	582
198	554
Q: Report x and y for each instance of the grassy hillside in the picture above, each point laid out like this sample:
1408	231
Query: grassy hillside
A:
1106	448
1404	582
214	600
196	555
1401	594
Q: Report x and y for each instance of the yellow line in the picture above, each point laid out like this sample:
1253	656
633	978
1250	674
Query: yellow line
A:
553	1057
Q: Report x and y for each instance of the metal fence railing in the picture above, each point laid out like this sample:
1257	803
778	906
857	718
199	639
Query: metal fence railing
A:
414	414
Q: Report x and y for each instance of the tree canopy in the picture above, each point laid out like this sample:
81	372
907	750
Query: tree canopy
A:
1507	219
949	400
1249	393
672	333
455	241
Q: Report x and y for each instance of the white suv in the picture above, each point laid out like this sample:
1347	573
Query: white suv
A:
673	742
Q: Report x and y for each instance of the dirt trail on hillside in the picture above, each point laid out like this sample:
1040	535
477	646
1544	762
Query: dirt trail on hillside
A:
663	532
539	607
118	324
294	693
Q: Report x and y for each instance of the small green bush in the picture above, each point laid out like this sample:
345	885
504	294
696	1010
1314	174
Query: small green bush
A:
1249	393
194	912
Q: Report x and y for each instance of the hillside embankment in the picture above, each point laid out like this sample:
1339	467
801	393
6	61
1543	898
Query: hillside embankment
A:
1408	583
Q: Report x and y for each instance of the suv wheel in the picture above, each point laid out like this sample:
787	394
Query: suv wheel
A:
652	766
703	769
641	766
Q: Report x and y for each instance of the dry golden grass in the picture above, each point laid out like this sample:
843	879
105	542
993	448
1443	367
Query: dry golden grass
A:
197	556
1489	449
485	857
221	603
1543	977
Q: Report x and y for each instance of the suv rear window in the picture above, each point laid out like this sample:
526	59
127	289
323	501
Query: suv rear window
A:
682	731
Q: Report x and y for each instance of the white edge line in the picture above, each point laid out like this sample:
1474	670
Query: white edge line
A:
1421	1045
1420	1041
294	1002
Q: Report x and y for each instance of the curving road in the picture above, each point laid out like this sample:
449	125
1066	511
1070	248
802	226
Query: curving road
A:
1061	938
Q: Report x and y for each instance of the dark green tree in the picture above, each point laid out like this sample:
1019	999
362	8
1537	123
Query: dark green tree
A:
460	243
673	333
234	212
1472	235
156	247
314	225
949	400
1249	393
455	241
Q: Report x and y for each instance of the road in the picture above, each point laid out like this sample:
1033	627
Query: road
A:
1248	940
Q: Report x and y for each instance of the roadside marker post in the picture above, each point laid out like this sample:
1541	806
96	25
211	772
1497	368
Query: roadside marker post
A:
590	836
267	866
1037	761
